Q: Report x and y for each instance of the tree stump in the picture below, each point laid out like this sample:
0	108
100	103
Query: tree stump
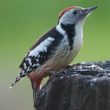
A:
83	86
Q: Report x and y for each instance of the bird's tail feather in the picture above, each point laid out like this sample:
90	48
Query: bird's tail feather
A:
16	80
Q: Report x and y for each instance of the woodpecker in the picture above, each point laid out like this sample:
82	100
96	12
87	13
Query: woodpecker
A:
57	48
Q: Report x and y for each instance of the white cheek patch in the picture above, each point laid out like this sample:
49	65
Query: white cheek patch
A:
60	30
42	46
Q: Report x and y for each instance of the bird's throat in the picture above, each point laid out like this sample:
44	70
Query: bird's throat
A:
70	32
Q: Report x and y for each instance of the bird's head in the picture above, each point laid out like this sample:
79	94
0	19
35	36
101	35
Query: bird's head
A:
74	14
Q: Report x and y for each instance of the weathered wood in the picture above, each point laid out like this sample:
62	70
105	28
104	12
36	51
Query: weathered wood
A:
80	87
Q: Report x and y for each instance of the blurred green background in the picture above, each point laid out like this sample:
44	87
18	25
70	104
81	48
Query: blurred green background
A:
22	21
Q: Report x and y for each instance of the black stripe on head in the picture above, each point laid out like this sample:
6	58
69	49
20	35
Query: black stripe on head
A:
70	31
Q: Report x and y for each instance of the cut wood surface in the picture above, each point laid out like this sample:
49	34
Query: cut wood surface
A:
84	86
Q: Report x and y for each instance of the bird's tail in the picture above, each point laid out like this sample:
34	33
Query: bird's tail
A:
18	78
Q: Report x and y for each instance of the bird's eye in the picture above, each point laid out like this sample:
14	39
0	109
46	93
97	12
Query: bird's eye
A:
75	12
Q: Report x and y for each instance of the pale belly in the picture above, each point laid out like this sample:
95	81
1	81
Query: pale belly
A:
63	57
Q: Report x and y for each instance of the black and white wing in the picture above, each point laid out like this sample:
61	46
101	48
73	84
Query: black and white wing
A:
39	53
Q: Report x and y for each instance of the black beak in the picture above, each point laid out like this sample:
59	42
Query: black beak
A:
88	10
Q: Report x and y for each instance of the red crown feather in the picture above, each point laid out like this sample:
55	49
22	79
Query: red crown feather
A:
61	14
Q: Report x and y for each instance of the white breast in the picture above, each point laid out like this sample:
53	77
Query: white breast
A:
78	39
66	56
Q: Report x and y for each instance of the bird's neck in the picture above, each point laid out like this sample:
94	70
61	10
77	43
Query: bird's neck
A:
69	29
72	31
66	28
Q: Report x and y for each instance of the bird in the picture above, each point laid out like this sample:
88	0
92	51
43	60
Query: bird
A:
57	48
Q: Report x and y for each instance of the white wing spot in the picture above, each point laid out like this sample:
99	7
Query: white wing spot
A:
28	69
37	64
51	38
38	56
29	61
37	60
42	46
24	65
45	49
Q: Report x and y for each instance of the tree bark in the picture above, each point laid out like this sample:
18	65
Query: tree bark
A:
83	86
